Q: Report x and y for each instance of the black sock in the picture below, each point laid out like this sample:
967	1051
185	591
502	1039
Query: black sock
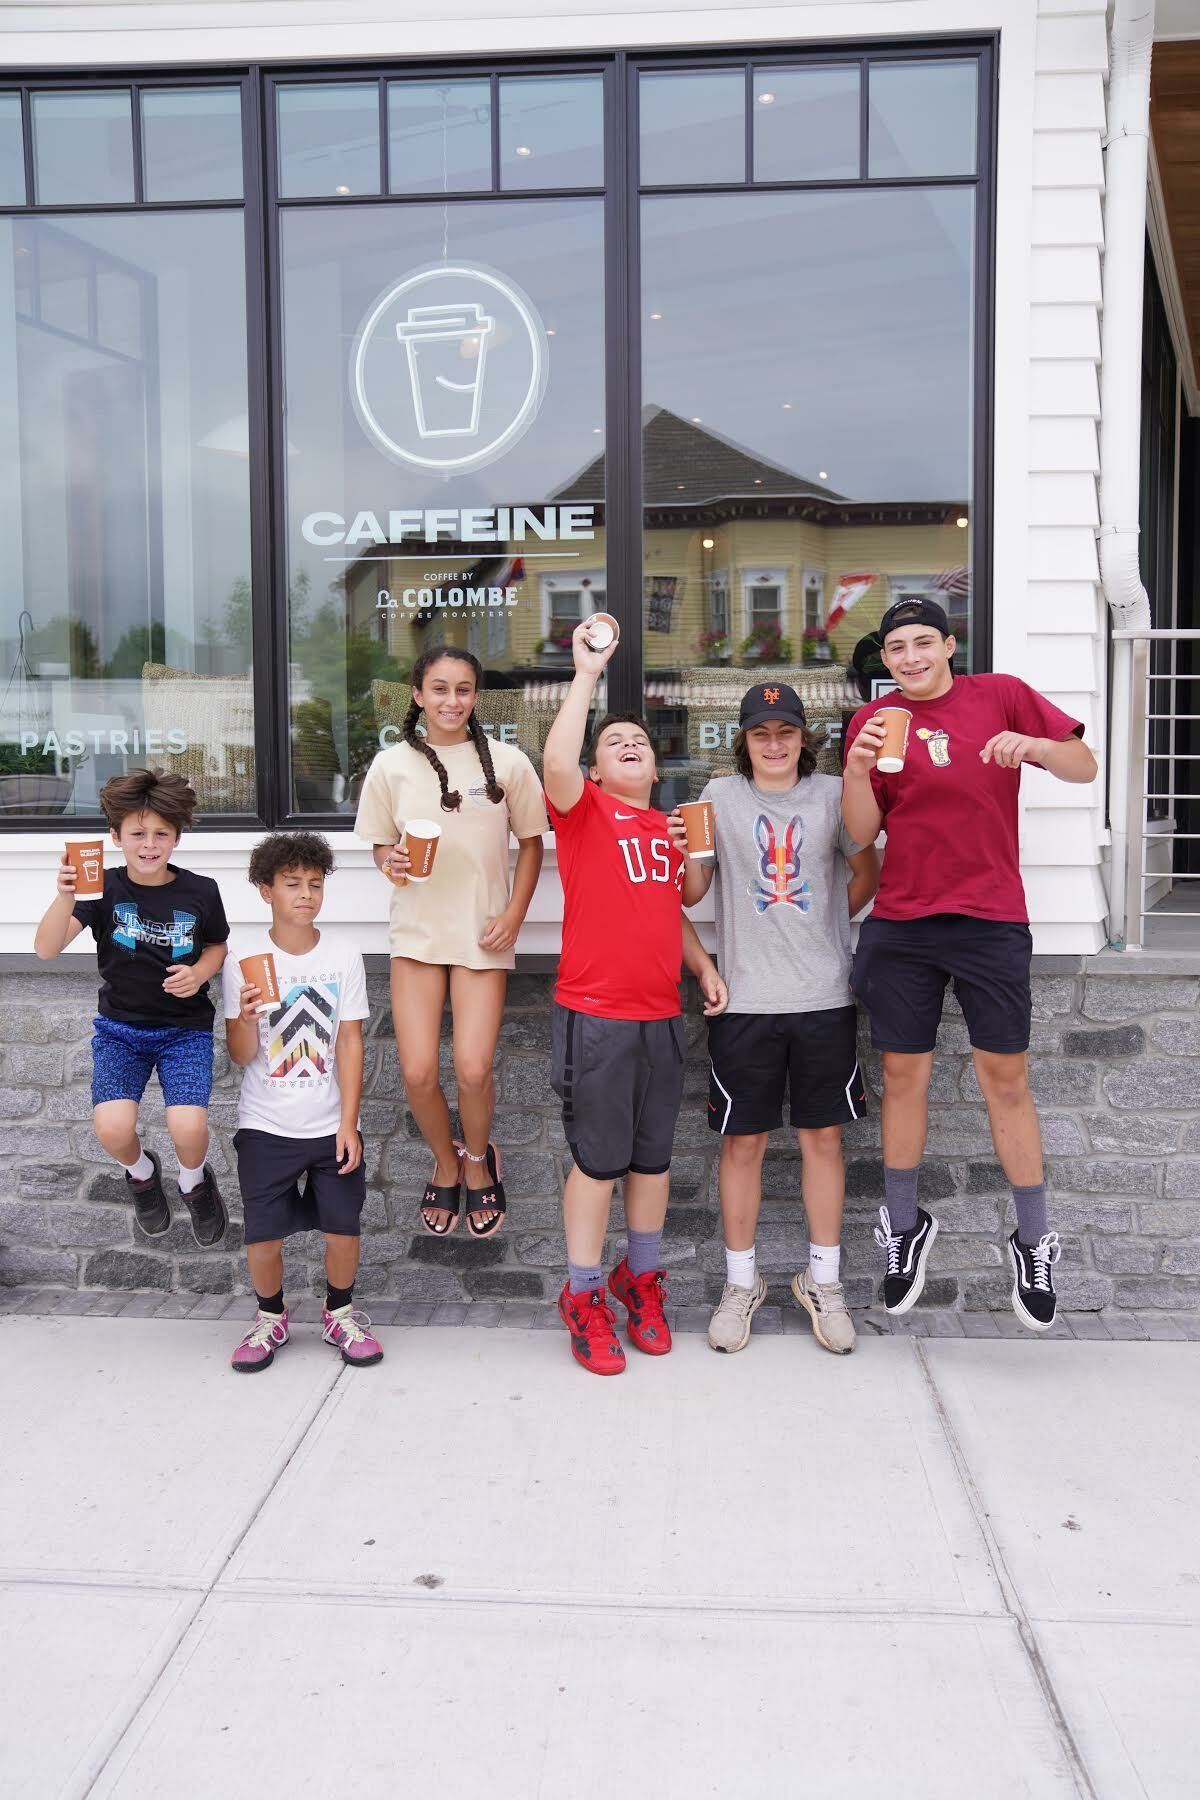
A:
272	1303
336	1298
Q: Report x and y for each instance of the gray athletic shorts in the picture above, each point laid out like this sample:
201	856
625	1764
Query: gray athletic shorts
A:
621	1083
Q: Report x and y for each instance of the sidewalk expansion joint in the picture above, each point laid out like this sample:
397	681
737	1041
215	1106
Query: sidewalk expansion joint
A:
203	1592
1008	1587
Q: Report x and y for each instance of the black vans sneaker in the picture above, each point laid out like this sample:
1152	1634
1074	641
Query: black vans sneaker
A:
1034	1300
207	1208
150	1207
907	1255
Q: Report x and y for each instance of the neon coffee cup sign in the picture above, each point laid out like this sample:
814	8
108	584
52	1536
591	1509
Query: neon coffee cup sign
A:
448	368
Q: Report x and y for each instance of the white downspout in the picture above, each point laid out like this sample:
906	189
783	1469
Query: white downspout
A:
1125	170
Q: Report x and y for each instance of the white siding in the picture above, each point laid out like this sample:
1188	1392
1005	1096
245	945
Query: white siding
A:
1061	826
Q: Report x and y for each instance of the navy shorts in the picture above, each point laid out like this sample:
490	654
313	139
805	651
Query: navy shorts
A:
275	1205
753	1057
620	1082
901	968
125	1056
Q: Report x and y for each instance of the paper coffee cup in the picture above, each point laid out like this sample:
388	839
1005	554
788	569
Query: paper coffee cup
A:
697	818
421	837
602	630
889	759
259	971
87	860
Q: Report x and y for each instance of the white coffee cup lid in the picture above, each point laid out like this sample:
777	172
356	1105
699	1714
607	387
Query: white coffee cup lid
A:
425	828
600	634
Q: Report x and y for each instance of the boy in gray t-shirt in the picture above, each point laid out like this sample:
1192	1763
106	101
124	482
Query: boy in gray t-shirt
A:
788	880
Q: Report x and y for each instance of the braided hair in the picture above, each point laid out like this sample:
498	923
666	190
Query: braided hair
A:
451	798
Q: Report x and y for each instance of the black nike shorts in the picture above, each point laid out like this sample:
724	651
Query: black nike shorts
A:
753	1057
621	1083
901	968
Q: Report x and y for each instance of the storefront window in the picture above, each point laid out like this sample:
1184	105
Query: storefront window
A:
83	148
192	143
329	139
12	152
806	124
124	508
806	446
439	136
444	367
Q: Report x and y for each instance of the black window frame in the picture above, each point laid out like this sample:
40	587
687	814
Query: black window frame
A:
621	193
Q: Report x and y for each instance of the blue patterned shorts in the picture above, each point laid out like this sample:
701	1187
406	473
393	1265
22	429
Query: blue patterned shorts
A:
125	1056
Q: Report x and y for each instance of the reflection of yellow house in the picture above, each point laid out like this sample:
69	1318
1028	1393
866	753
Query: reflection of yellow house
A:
733	545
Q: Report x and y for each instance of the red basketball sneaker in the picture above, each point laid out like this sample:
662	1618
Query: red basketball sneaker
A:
642	1296
588	1317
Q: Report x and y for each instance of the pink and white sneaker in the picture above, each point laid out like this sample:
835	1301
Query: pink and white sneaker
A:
346	1330
268	1334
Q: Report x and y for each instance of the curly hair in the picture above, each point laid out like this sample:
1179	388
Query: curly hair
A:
289	850
148	790
451	798
810	742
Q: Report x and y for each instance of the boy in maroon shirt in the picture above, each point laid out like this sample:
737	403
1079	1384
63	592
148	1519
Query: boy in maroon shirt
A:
619	1047
951	906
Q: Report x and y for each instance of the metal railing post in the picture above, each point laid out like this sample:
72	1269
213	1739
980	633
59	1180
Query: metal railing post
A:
1135	831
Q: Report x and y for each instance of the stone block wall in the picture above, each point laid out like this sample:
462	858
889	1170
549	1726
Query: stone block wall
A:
1115	1060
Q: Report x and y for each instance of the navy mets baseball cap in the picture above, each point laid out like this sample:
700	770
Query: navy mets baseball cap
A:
771	700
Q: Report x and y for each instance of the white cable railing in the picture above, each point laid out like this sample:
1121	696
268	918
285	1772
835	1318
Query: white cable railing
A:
1152	756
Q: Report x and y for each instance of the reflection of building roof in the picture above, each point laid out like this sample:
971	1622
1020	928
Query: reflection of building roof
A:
692	475
683	462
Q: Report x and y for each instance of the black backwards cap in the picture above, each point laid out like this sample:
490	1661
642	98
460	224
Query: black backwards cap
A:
921	611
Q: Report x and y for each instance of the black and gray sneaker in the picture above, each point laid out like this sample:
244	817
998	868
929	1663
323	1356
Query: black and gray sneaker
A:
1034	1300
907	1254
207	1208
150	1207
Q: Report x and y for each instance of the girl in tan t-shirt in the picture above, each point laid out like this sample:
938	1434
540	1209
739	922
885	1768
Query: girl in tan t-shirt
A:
454	933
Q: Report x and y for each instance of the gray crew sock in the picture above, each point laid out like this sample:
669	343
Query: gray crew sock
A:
643	1252
900	1193
1030	1203
583	1276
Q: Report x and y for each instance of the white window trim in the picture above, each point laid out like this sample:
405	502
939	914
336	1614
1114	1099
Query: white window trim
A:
765	575
575	578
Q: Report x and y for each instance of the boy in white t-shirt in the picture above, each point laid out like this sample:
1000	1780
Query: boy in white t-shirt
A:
298	1145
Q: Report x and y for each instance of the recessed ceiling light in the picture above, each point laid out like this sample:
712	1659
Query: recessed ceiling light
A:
524	150
758	481
961	523
550	331
341	189
787	406
766	99
656	315
822	474
595	431
696	419
679	487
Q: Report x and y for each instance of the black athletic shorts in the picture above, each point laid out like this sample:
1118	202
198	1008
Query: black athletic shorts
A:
621	1083
901	968
270	1170
754	1056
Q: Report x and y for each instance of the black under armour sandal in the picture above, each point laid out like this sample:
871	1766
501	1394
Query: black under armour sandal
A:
446	1199
490	1199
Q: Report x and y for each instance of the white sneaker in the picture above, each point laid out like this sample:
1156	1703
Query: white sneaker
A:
729	1327
825	1304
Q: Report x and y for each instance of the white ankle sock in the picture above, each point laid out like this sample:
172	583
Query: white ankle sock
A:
190	1178
824	1262
739	1267
142	1169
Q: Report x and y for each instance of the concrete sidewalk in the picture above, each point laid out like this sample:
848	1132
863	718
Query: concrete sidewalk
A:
938	1567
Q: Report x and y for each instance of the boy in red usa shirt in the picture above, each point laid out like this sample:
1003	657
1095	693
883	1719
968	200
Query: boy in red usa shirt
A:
951	907
619	1048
